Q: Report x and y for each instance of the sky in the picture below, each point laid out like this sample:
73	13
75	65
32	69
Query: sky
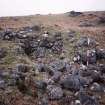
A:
31	7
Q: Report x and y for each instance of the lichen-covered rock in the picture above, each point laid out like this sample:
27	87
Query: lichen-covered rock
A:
57	65
54	92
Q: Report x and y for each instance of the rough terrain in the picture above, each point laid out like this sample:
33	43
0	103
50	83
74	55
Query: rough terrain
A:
53	59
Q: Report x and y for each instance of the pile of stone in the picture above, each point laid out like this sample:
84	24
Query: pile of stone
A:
39	45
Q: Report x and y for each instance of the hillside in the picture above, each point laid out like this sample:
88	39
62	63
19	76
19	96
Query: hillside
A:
54	59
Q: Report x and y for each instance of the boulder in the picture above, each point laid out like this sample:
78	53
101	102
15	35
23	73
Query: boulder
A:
86	42
44	101
57	65
3	52
54	92
46	43
101	20
96	87
2	83
27	45
22	68
70	82
56	76
100	53
73	82
8	35
41	67
74	14
84	57
39	52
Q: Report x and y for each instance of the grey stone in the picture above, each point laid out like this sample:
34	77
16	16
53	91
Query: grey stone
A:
54	92
100	53
96	87
3	52
74	13
22	68
56	76
57	65
70	82
86	42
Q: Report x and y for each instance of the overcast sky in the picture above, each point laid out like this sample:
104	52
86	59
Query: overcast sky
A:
30	7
